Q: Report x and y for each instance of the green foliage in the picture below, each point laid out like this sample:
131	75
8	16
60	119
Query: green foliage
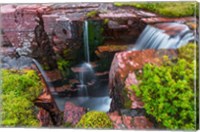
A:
188	52
92	14
169	9
127	101
168	90
19	90
95	119
64	67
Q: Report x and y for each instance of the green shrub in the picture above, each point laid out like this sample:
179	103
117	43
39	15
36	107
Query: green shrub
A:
95	119
19	90
169	9
168	90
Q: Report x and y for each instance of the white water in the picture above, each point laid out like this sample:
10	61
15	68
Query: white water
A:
46	79
86	77
86	42
154	38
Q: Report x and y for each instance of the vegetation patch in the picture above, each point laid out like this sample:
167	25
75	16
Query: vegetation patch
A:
169	9
64	67
92	14
168	90
95	119
19	90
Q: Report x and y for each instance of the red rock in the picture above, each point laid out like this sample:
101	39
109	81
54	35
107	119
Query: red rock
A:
73	113
171	28
54	75
141	122
122	74
165	20
117	15
127	120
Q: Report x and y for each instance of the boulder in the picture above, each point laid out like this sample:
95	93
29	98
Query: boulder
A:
73	113
123	71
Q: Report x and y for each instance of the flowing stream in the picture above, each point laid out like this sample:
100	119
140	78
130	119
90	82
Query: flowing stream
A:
154	38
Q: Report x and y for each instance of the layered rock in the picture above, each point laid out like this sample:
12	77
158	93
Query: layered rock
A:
124	68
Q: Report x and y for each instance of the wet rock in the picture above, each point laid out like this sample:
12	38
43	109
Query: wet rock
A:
53	75
73	113
129	122
122	75
172	29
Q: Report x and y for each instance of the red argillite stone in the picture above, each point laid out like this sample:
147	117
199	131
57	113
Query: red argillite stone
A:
122	74
129	122
73	113
141	122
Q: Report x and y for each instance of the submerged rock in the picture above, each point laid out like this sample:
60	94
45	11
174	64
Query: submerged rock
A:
73	113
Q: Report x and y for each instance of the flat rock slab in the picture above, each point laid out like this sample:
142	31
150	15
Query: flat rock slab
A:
73	113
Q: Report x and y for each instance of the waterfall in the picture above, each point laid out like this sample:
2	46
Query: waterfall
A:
86	42
86	76
154	38
46	79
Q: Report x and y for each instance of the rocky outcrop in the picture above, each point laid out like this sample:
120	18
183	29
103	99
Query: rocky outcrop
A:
130	122
124	68
73	113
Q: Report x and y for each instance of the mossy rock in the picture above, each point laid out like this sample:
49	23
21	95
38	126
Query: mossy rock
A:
168	9
95	119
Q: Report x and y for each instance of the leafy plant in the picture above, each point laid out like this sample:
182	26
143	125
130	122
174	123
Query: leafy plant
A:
95	119
19	90
168	90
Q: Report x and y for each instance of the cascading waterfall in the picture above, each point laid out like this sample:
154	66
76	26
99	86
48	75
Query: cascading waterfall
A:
154	38
86	67
86	42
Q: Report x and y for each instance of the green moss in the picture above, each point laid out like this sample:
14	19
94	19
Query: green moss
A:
169	9
168	90
105	21
95	119
92	14
64	67
19	90
127	101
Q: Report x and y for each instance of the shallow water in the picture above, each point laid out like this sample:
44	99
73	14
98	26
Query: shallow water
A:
91	103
